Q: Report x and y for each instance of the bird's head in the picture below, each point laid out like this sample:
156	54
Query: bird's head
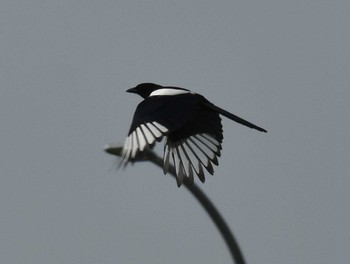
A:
144	89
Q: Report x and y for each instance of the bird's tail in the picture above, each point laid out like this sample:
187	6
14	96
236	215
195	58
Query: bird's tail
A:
234	117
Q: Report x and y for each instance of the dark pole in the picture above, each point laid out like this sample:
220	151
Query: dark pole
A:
209	207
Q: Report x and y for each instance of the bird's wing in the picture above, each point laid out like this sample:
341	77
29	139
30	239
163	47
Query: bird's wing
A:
191	154
155	117
195	145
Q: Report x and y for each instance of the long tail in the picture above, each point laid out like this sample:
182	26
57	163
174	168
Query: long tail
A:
234	117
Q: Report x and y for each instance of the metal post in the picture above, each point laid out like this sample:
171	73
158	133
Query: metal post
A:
149	155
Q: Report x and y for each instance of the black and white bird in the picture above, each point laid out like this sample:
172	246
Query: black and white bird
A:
190	124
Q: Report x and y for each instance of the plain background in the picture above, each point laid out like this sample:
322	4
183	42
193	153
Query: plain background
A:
64	69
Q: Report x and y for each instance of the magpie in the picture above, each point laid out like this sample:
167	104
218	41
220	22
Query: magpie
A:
190	124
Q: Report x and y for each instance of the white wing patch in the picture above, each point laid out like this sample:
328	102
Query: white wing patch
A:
143	136
168	91
155	131
148	135
191	154
160	127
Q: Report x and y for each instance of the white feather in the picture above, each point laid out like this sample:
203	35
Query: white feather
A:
135	145
160	127
155	131
168	91
149	137
141	138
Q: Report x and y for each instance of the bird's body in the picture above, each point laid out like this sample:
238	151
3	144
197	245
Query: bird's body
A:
190	123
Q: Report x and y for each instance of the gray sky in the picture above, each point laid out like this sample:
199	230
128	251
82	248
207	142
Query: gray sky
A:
64	69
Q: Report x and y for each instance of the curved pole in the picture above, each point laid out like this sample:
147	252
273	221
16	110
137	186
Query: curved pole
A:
149	155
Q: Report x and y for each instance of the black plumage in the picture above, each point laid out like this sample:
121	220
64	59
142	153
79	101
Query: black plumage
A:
189	122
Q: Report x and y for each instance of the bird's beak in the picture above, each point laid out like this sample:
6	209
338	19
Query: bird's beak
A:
131	90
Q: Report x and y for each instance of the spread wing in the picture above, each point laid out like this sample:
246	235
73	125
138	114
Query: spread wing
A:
195	146
155	117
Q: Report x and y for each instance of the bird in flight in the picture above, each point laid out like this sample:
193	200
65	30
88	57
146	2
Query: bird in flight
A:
190	124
